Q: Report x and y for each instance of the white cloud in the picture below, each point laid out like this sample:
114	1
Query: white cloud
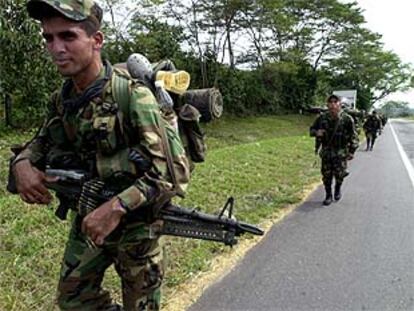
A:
394	20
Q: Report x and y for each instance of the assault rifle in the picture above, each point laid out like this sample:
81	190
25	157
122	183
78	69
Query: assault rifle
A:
170	220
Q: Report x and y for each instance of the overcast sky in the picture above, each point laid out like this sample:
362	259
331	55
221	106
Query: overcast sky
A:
394	19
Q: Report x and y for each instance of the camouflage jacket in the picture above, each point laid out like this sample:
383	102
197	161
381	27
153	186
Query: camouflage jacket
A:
372	123
105	141
345	140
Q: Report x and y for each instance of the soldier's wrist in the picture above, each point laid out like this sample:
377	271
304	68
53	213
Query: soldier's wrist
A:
21	164
120	207
21	161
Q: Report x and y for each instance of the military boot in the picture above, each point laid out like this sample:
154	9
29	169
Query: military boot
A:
338	193
328	198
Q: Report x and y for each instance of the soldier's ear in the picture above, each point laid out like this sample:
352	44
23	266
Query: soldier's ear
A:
98	38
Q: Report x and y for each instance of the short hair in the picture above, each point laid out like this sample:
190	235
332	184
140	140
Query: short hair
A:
332	98
93	23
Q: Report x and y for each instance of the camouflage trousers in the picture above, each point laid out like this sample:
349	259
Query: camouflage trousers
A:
138	261
333	165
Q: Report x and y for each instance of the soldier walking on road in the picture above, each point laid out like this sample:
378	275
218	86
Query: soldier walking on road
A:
336	130
88	129
372	128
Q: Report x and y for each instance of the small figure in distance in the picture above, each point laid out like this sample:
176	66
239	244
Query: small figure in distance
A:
372	127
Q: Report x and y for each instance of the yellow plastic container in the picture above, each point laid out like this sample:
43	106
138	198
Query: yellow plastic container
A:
176	82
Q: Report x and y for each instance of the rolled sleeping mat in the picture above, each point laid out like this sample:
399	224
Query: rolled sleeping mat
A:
209	102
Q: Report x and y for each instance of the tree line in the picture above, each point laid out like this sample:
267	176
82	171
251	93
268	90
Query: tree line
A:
266	56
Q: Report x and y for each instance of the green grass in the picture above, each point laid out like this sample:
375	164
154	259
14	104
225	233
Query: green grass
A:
264	163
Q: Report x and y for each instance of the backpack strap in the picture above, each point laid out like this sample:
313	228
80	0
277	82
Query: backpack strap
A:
121	92
120	86
170	163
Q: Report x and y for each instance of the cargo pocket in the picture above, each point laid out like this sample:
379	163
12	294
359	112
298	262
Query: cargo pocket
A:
106	134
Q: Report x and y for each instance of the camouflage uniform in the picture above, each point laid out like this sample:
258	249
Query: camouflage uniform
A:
384	119
136	255
372	127
335	150
94	132
91	132
358	118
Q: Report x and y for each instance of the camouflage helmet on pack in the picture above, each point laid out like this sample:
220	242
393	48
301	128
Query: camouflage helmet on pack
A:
75	10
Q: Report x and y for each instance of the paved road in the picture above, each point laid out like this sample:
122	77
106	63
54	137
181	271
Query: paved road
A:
357	254
404	130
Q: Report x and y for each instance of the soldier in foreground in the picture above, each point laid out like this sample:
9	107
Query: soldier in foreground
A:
372	127
336	130
87	130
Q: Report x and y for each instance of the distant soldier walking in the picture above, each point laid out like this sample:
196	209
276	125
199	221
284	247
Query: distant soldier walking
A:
372	127
336	130
383	120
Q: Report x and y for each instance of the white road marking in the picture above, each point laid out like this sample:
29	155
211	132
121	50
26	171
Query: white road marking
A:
404	157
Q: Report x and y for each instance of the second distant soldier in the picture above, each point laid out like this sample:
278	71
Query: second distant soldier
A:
336	130
372	127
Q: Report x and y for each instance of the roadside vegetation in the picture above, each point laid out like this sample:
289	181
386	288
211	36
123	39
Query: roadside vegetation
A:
293	54
264	163
266	57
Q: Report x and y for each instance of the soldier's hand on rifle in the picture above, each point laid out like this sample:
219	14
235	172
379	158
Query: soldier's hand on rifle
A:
320	133
30	183
102	221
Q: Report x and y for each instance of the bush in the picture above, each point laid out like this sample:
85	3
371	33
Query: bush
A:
25	70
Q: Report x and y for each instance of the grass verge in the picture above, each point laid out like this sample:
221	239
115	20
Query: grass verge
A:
265	163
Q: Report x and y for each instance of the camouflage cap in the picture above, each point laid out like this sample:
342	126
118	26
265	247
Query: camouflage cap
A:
76	10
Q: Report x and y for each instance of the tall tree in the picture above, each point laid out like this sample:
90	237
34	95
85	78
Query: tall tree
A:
369	68
25	72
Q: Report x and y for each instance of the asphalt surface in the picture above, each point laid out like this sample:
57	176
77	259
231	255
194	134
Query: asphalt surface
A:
404	130
357	254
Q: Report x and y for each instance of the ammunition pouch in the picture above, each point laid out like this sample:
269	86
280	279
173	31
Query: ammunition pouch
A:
105	134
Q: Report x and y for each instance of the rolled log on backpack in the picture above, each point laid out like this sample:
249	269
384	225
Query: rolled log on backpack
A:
208	102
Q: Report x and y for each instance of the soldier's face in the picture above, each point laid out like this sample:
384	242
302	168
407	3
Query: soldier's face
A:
334	107
72	50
